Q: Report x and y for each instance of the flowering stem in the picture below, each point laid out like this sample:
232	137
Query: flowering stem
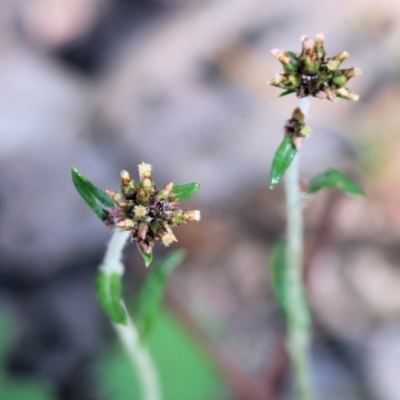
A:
298	321
129	335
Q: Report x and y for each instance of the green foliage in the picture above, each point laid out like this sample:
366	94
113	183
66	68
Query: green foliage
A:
184	371
282	159
334	179
147	257
287	92
95	198
280	285
278	273
108	287
184	192
152	291
13	388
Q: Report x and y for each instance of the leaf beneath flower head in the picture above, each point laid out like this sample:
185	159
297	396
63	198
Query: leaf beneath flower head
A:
282	159
152	291
96	198
184	192
108	287
147	257
334	179
286	92
281	285
278	272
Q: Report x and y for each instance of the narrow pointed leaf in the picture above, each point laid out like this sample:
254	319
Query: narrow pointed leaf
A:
147	257
286	92
282	159
96	199
278	273
281	286
334	179
108	287
152	291
184	192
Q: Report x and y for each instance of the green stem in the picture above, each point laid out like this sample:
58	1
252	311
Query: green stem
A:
129	335
298	320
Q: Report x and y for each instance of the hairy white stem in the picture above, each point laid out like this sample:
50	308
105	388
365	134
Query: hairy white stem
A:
129	335
298	321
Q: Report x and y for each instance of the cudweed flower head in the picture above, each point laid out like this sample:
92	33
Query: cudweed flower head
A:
146	212
313	73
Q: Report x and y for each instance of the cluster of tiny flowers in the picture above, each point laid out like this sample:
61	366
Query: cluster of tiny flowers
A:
148	214
313	73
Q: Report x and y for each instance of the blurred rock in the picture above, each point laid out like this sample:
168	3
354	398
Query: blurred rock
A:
185	91
383	362
54	23
43	113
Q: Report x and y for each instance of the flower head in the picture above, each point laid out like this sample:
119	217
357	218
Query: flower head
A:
313	73
149	214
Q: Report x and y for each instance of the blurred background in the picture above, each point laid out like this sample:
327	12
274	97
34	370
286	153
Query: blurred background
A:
106	84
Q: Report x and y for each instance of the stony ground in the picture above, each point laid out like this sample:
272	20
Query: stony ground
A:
105	85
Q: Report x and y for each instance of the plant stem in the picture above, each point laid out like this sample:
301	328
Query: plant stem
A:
298	320
129	335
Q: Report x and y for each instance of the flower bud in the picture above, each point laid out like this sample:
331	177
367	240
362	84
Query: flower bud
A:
319	44
342	76
142	231
298	115
309	62
330	95
335	62
345	93
191	215
143	197
145	246
286	58
126	205
168	238
277	81
125	177
338	79
145	171
146	180
128	186
320	94
307	45
351	72
126	224
116	197
286	81
165	192
310	65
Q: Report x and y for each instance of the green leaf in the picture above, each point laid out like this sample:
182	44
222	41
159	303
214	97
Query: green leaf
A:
282	159
334	179
278	272
147	257
282	289
96	199
185	372
286	92
184	192
152	291
109	292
